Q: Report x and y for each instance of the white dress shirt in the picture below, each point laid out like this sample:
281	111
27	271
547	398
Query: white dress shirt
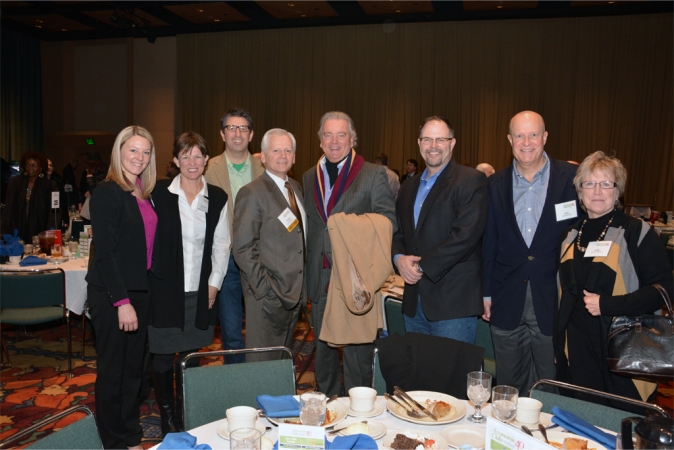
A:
193	224
281	183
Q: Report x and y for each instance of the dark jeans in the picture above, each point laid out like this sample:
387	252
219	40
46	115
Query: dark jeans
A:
231	313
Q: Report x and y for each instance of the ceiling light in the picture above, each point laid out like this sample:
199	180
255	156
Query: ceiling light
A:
303	15
38	26
38	20
200	10
64	29
397	10
216	20
499	7
291	4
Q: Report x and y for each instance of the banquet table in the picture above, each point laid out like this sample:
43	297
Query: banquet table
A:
76	286
208	434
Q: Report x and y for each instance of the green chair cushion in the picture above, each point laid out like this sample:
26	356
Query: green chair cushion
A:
30	316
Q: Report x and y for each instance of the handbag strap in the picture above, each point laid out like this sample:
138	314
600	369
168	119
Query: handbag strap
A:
665	297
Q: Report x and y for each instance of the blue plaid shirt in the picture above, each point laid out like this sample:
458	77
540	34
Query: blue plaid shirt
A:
529	198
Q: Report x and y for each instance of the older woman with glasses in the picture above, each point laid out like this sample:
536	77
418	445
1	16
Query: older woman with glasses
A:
608	266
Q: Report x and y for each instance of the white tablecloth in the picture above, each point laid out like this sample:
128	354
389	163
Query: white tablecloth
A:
76	287
207	434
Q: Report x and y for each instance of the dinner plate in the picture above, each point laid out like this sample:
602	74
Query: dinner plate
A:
8	263
440	442
377	429
336	407
558	437
378	409
223	429
457	413
458	435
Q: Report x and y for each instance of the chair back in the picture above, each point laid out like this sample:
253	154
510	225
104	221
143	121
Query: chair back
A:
32	288
483	339
378	382
395	323
82	434
599	415
208	391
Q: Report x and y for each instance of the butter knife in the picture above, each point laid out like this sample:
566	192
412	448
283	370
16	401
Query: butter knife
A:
404	394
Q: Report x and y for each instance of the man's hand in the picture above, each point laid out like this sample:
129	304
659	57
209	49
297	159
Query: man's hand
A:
212	293
407	268
592	303
126	315
487	310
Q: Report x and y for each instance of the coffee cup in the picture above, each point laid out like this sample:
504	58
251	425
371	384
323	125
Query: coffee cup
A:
362	399
15	259
528	410
241	417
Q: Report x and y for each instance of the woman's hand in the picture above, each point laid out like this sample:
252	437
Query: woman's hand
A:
126	315
592	303
212	293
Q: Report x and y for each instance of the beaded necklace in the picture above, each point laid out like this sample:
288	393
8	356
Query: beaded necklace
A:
601	236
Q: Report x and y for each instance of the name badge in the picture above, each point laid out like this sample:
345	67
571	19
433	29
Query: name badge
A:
202	205
67	188
566	210
288	220
55	200
598	248
300	437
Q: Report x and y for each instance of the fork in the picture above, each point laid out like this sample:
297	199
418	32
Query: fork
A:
410	412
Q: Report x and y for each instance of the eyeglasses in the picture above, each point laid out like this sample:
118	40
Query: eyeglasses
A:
438	141
601	184
241	128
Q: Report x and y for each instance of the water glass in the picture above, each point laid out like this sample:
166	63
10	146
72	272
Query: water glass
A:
245	439
479	391
56	250
504	403
312	408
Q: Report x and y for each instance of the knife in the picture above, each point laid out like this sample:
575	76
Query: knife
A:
404	394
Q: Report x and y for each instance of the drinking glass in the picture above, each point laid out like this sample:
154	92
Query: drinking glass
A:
312	408
36	245
479	391
56	250
245	439
504	403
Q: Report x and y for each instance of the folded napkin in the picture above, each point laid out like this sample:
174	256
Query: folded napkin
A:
32	261
578	426
281	406
355	441
11	238
182	440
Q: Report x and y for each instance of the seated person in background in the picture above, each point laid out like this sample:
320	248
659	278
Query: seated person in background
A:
594	289
411	168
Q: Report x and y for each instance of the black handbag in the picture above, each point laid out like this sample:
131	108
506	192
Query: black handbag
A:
643	346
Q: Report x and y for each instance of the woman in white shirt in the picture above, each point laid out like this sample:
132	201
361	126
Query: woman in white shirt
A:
189	265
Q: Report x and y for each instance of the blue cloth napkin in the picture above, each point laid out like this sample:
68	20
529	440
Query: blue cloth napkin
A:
11	238
32	261
281	406
578	426
355	441
182	440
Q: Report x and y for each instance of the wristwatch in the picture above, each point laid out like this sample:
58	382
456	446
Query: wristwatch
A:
418	267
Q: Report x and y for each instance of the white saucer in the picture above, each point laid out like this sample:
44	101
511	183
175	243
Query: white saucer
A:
223	429
377	429
543	419
378	409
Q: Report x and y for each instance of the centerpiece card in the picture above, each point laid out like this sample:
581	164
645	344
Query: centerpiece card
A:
300	437
501	436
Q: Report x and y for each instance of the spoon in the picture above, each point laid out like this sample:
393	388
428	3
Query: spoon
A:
541	428
334	397
527	430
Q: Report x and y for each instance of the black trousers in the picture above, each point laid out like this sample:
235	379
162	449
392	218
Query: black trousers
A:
119	368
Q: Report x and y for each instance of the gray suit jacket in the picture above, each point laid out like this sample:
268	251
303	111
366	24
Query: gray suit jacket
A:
217	174
369	193
270	257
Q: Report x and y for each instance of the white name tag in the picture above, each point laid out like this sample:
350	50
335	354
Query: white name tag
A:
55	200
202	205
288	219
566	210
598	248
300	437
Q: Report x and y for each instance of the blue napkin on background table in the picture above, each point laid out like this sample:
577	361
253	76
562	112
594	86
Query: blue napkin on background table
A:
578	426
355	441
182	440
32	261
279	406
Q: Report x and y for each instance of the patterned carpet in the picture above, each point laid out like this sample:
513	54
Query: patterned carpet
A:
36	386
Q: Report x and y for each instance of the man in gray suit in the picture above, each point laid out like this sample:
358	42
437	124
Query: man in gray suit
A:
341	182
269	245
231	171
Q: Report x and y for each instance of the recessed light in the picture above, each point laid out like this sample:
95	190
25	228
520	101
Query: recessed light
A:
303	15
38	26
291	4
217	20
397	10
499	7
38	20
64	29
200	10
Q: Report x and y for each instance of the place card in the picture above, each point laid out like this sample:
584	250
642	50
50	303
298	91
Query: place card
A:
300	437
501	436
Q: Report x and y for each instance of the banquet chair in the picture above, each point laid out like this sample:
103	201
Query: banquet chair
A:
599	415
82	434
395	323
378	382
208	391
35	296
